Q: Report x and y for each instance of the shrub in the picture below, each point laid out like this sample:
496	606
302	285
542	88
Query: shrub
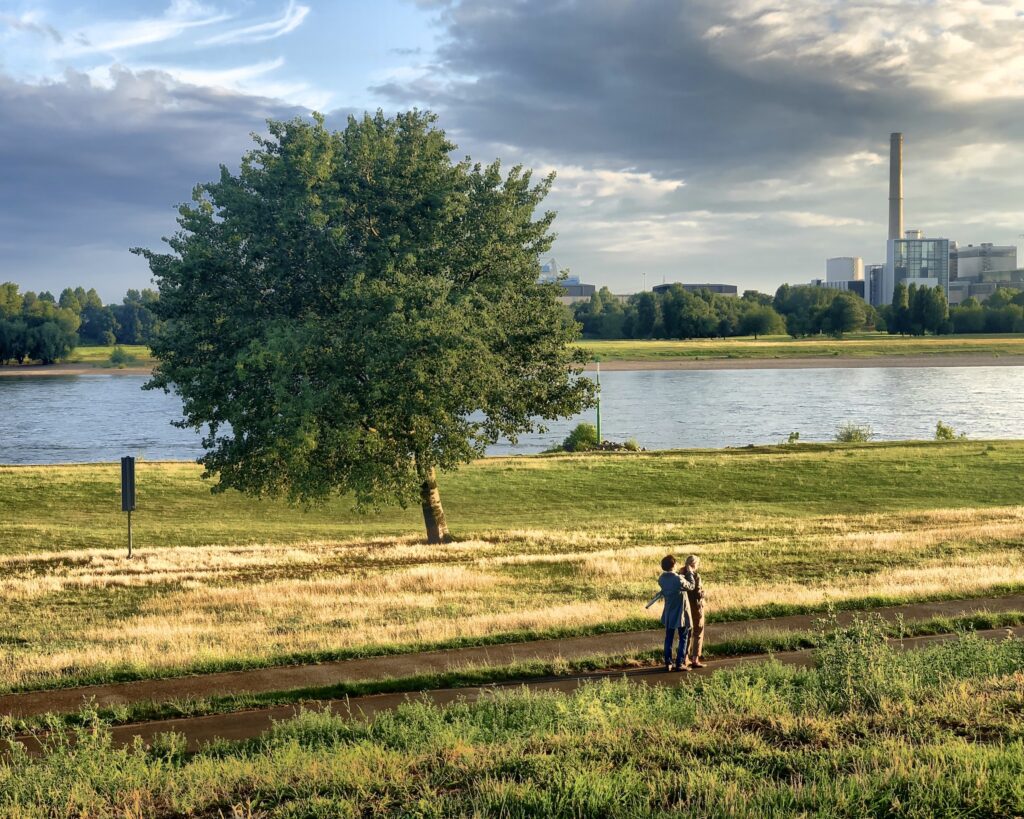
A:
120	356
944	432
854	433
581	439
857	669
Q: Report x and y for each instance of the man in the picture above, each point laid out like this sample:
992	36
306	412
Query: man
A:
675	616
695	595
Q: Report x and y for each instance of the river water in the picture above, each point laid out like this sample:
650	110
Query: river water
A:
102	417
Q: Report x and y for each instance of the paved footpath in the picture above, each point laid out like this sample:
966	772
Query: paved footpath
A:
285	678
247	725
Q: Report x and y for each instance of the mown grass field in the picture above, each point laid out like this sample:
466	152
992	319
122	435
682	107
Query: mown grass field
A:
99	355
869	732
546	545
867	345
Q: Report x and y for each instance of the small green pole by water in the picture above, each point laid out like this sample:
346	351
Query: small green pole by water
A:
598	360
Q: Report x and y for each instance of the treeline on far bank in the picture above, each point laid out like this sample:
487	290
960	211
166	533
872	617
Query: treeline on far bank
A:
797	310
46	328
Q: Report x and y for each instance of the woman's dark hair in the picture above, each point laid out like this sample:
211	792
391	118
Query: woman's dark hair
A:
668	563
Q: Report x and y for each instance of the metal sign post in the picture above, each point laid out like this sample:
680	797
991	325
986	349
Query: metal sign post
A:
128	493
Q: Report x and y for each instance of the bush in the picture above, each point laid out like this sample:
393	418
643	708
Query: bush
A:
854	433
944	432
581	439
120	357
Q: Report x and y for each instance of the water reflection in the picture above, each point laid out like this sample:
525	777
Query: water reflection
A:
102	417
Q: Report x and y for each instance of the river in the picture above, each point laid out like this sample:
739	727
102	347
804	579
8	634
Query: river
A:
95	418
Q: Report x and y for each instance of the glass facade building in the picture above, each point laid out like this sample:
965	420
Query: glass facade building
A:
921	259
916	261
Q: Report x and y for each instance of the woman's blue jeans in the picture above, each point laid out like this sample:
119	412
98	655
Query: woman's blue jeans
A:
684	639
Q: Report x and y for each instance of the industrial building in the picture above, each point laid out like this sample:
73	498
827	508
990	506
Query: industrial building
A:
722	289
973	261
844	273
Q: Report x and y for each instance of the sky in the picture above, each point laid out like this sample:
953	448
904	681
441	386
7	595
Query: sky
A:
738	141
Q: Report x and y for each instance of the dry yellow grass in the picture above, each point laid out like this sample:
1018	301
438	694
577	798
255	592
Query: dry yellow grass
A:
180	608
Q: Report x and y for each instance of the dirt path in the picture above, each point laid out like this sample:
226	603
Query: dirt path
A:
284	678
243	725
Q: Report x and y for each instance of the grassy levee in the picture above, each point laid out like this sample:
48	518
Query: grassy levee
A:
869	732
547	545
99	354
867	345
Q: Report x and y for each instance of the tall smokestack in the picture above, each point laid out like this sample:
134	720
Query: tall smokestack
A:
896	186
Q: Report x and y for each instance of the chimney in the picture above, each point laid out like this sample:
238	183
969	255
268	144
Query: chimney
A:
896	186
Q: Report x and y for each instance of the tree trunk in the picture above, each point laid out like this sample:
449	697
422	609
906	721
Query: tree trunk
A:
430	499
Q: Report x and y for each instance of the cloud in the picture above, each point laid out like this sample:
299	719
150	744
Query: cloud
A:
110	36
29	23
91	170
290	19
778	108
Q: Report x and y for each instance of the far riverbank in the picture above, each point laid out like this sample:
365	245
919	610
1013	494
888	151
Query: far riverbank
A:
812	363
808	363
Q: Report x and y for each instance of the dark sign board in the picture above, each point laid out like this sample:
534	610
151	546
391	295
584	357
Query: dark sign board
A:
128	484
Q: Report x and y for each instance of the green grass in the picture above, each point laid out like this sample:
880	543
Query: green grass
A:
866	345
870	732
771	641
99	354
548	546
712	493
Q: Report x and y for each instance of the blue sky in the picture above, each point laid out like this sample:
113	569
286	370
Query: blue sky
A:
694	140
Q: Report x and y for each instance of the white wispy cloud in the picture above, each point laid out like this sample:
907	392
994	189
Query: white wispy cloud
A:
289	20
30	22
111	36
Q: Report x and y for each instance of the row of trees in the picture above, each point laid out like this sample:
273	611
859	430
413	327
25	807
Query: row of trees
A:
43	327
133	321
677	313
34	327
810	310
802	310
799	310
915	311
1003	312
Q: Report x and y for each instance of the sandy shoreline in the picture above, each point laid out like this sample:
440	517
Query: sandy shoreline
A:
69	369
811	363
822	362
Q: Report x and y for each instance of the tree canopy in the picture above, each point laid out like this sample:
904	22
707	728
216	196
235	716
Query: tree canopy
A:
353	310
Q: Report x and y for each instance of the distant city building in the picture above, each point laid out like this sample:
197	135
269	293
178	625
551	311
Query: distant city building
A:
575	290
983	285
973	261
843	273
844	269
874	274
723	289
857	286
915	260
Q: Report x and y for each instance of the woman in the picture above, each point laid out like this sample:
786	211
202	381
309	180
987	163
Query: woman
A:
675	616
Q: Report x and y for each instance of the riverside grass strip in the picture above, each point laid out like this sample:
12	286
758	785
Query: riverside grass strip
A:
549	546
865	345
869	732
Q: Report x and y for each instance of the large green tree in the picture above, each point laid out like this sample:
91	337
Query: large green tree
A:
354	311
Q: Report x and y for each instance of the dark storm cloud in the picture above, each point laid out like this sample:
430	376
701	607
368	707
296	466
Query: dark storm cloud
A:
773	113
91	170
